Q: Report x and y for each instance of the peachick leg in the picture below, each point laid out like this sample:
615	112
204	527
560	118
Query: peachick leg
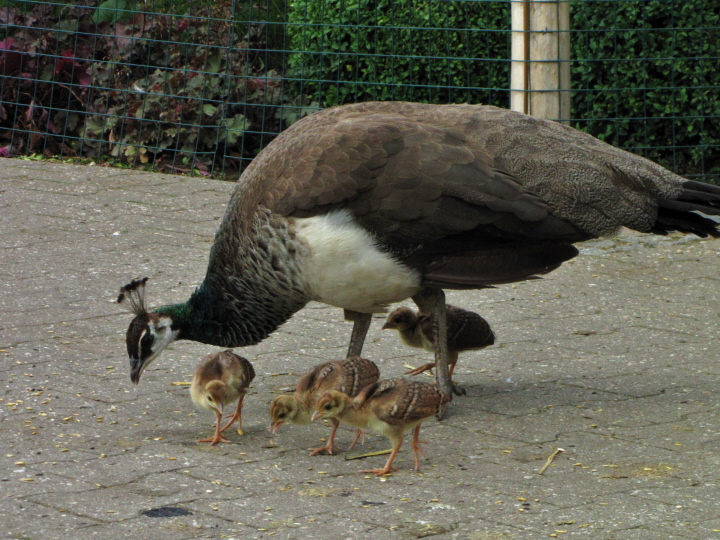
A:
422	369
388	465
416	448
237	415
359	433
330	446
217	437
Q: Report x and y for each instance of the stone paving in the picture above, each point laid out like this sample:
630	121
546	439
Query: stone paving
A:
612	358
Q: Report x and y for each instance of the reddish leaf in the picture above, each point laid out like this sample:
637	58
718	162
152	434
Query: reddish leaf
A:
82	77
68	64
10	61
8	16
30	111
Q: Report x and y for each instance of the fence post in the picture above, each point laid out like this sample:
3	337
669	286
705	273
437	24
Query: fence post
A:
540	71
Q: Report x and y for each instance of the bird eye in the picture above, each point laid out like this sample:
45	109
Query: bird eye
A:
146	342
398	319
282	415
328	407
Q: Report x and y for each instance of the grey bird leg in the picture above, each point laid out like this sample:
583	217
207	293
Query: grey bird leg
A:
361	324
433	301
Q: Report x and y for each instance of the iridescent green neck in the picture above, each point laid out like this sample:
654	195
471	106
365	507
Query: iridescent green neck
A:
181	314
239	321
194	318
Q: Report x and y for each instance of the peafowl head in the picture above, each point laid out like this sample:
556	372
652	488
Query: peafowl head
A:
283	409
215	394
401	319
330	404
149	332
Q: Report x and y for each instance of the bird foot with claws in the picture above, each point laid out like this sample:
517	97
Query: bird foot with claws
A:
422	369
380	472
328	449
215	439
458	390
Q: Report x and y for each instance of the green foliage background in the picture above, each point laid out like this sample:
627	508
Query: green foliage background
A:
646	78
408	50
206	84
644	72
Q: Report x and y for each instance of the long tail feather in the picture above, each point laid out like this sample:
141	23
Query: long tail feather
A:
679	214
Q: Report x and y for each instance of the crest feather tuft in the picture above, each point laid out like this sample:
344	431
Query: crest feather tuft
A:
133	296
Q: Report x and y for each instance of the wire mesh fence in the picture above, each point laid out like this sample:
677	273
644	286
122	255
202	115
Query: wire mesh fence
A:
644	79
203	86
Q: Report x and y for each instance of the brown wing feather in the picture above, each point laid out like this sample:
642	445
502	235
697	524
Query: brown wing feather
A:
406	401
465	194
492	163
238	367
403	176
466	330
471	268
310	384
357	373
401	401
223	366
348	376
309	380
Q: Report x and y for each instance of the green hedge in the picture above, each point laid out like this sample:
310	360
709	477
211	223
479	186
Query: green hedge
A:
644	72
207	89
360	50
645	77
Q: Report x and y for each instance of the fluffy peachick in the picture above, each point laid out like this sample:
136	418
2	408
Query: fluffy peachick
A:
390	408
347	376
365	205
466	331
219	379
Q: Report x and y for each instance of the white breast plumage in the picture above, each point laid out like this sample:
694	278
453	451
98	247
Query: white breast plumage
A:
345	268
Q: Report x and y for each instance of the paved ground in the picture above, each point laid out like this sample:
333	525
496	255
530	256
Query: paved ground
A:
612	358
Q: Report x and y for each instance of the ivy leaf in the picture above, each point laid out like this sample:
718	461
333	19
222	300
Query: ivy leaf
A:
234	128
111	11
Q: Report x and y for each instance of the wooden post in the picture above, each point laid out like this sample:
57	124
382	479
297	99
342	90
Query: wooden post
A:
540	72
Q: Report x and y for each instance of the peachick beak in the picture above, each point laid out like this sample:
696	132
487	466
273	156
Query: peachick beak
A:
273	427
315	415
386	326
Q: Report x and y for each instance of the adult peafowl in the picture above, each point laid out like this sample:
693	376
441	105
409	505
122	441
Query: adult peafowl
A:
364	205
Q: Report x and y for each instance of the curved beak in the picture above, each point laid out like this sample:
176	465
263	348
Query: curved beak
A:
137	366
217	409
273	427
387	326
316	415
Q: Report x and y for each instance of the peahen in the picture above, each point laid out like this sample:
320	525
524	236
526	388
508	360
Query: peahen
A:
364	205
